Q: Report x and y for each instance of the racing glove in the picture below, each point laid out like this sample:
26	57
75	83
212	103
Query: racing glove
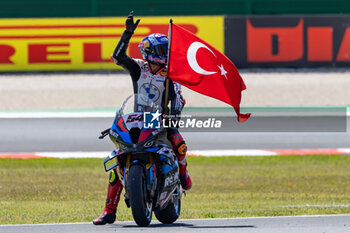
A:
129	23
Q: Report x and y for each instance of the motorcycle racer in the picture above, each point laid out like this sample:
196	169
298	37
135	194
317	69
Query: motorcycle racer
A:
148	78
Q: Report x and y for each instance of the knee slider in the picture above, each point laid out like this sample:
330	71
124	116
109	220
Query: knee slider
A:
181	149
113	177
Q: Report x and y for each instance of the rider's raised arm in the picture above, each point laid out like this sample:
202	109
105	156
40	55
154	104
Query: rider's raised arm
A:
119	55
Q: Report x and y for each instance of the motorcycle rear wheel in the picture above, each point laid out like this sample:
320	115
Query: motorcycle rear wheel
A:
141	208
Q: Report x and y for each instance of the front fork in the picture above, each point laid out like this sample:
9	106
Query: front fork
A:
151	176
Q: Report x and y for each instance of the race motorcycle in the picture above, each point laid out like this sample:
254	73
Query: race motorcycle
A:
145	161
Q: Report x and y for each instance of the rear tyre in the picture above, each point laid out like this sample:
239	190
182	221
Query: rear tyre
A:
141	207
170	213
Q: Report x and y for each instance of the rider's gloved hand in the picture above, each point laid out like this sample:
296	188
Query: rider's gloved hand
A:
129	23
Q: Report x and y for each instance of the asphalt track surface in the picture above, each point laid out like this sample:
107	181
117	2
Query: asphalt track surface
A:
300	224
80	134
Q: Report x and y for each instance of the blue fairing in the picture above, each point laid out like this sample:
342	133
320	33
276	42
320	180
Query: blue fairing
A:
153	149
150	175
167	167
125	136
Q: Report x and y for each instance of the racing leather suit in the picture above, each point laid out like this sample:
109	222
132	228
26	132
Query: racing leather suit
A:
153	85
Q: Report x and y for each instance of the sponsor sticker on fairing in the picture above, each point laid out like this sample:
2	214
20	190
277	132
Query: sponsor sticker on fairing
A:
171	179
163	195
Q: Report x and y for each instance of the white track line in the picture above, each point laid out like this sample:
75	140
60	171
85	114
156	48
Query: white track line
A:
344	150
205	153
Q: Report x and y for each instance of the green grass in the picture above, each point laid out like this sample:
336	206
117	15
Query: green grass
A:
73	190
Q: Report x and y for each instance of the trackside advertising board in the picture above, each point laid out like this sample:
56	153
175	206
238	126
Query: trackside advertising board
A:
51	44
288	41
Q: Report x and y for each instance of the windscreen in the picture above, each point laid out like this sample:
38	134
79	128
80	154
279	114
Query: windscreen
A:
138	103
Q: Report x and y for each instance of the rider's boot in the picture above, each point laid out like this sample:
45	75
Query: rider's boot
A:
180	149
185	178
115	188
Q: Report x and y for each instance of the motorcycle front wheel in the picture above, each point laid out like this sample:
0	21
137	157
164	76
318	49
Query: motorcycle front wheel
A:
136	185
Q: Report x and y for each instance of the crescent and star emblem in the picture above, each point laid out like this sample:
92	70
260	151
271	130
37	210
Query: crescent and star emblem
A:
192	61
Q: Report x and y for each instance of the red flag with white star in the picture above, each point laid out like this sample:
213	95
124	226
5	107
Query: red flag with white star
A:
199	66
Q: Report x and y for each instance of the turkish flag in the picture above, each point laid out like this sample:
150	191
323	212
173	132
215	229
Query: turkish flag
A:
199	66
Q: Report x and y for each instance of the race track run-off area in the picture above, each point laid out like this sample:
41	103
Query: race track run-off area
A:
304	224
53	134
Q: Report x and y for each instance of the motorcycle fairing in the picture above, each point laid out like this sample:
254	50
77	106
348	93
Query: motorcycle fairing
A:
133	120
122	127
145	134
170	175
120	130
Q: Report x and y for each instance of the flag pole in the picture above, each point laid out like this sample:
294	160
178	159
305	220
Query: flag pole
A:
167	78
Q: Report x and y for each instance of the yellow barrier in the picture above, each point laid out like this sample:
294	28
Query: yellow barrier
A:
86	43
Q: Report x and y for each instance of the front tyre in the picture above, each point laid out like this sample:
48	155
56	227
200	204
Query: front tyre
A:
170	213
141	207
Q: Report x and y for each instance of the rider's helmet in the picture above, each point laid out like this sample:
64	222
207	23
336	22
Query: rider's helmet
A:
154	48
